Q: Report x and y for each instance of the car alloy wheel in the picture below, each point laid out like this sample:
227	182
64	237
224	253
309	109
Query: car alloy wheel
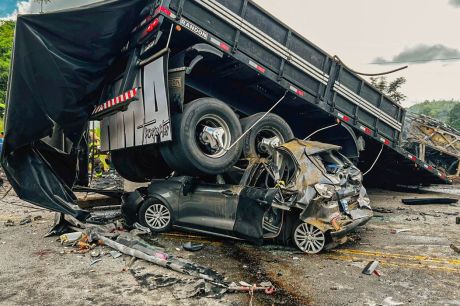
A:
157	216
309	238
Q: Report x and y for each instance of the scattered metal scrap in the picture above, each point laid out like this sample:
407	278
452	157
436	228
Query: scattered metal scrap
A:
371	268
9	222
192	247
455	248
427	201
434	142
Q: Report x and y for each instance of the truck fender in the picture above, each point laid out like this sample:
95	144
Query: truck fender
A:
183	64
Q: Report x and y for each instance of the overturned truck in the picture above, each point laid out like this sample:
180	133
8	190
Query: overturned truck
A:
187	89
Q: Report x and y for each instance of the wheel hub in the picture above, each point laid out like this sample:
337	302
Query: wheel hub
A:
309	238
157	216
213	137
266	145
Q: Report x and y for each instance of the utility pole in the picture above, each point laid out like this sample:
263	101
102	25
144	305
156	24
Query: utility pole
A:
41	4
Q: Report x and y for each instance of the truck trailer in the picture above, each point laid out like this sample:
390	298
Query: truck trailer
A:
186	86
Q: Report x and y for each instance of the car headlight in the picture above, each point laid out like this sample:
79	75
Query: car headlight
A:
324	190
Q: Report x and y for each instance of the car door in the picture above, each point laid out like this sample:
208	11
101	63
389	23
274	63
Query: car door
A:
209	207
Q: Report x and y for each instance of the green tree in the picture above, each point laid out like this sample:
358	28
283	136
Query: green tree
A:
454	117
6	48
391	89
438	109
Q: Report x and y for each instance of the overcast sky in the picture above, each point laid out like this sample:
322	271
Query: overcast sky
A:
362	32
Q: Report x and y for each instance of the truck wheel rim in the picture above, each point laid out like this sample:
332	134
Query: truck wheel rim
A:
309	238
212	121
157	216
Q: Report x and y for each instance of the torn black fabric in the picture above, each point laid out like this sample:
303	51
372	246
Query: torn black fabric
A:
59	62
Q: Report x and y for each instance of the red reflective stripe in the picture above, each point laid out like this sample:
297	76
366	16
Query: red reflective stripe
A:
385	141
260	68
343	117
224	46
163	10
428	167
130	94
366	130
257	67
297	91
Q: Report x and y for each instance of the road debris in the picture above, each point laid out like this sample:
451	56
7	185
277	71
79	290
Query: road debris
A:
70	238
455	248
457	220
371	267
198	288
397	231
95	261
383	210
192	247
266	287
115	254
428	214
389	302
428	201
159	259
9	222
26	220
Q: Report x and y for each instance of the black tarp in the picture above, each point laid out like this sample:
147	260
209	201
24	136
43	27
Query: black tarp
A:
59	63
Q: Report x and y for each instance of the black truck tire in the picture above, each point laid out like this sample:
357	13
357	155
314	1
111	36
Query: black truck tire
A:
270	126
188	153
140	164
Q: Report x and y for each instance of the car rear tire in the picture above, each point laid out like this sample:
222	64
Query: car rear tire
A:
191	152
156	215
308	238
140	164
270	126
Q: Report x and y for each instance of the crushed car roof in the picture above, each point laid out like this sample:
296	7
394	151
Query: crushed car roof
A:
298	147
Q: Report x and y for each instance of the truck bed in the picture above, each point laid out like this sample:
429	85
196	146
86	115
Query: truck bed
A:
322	87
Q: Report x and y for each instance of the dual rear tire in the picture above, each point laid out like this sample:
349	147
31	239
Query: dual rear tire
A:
204	136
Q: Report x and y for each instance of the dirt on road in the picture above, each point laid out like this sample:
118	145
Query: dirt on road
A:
411	243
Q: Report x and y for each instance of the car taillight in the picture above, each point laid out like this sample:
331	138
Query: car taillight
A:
153	25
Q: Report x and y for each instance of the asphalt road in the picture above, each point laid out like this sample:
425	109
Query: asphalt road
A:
416	265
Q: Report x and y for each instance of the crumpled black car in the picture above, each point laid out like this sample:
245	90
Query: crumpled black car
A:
304	192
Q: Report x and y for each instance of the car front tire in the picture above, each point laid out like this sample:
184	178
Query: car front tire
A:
156	215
